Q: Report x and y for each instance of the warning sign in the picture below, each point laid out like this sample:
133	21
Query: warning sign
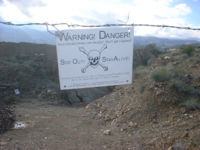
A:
95	57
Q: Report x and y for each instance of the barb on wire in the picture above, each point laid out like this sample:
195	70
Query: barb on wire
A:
49	30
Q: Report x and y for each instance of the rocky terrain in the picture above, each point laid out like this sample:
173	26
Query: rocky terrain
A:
160	110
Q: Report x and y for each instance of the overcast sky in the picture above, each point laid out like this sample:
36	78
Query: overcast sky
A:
169	12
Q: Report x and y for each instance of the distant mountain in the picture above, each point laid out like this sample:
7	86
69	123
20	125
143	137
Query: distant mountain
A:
24	34
19	34
163	43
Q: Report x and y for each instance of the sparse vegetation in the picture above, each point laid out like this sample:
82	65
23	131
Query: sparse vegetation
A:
144	56
193	143
187	49
29	73
161	75
191	103
142	88
184	89
141	70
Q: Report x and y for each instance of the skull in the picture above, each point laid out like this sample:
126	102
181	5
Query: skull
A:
94	57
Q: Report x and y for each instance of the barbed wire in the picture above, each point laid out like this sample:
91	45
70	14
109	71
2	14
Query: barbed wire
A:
103	25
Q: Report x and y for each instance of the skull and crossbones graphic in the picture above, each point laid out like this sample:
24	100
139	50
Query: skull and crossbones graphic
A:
94	57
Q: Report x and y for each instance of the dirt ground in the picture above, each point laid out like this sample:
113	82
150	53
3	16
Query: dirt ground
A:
60	128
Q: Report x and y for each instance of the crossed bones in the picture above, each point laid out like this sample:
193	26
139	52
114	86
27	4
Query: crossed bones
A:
94	57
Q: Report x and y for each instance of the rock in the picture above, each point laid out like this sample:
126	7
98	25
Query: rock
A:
175	63
107	118
174	112
9	139
107	132
191	116
131	124
121	113
183	110
153	140
98	105
3	143
192	66
113	122
170	148
49	91
158	93
188	76
99	115
27	115
186	135
166	57
104	146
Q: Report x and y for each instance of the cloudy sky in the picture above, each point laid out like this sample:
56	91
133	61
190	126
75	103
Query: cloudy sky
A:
169	12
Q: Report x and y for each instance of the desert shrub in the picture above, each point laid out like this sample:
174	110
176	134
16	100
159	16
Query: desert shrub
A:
191	103
184	89
187	49
193	143
28	73
142	55
142	88
141	70
161	75
180	70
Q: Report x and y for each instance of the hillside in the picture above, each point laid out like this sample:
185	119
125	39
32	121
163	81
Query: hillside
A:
159	111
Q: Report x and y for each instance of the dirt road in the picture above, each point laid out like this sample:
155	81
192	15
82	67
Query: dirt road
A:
53	127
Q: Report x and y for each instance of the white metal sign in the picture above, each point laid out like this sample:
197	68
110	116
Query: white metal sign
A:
95	57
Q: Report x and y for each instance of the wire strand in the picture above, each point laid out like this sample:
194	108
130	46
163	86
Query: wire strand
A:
103	25
59	33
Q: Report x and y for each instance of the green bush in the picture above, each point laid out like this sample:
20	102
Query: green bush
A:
139	71
180	87
142	55
142	88
192	103
161	75
187	49
184	89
